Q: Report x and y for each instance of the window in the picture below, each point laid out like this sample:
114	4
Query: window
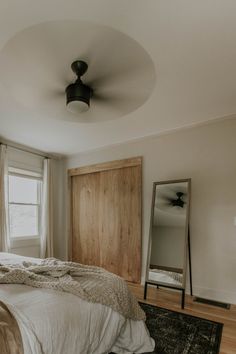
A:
25	190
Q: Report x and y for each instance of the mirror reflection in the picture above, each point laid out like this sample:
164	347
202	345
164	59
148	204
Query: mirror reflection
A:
168	233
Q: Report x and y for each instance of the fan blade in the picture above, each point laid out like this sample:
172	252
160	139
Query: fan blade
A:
162	203
124	74
56	94
166	194
115	96
51	94
113	59
118	102
162	200
98	45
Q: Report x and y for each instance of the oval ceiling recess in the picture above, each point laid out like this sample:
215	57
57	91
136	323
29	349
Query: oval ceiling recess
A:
35	68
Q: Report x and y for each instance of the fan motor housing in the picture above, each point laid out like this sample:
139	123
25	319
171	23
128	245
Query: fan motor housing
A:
78	92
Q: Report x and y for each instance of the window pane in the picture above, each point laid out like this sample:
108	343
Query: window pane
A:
23	190
23	220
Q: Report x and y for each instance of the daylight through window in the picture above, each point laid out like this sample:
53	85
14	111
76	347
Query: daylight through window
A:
24	205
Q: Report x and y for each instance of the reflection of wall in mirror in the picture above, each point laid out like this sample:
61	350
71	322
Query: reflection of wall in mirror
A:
168	246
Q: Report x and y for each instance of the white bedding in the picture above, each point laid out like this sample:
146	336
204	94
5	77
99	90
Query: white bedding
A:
53	322
165	276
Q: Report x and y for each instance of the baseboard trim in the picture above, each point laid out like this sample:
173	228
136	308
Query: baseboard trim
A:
213	294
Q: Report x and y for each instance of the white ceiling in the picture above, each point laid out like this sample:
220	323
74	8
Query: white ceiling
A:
192	46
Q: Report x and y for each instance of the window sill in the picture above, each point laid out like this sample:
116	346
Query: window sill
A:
24	242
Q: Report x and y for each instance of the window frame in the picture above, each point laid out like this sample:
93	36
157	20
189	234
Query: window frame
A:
32	175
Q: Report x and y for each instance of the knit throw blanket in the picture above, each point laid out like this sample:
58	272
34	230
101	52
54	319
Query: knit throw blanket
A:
90	283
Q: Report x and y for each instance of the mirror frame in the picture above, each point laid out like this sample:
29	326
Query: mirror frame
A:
168	285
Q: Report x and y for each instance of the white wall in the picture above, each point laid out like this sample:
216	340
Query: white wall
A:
207	154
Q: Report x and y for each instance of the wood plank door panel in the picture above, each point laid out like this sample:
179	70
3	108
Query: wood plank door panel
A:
106	220
85	202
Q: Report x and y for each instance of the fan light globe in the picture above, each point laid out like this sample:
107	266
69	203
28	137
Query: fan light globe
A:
77	107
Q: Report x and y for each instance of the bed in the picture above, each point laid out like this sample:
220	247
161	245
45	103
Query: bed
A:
56	322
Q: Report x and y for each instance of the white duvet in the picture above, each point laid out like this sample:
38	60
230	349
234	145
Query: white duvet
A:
53	322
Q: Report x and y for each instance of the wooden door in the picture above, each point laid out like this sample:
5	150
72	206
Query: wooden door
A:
106	217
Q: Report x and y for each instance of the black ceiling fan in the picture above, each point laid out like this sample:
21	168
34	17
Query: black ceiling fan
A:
167	200
179	201
78	94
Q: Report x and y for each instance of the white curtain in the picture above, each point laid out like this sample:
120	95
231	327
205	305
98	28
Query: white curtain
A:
4	213
46	249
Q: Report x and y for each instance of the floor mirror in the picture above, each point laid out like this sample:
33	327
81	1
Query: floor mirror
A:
169	238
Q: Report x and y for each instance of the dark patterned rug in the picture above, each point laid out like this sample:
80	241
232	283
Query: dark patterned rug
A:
178	333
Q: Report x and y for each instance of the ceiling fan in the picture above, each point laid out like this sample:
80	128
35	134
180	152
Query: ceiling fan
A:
173	201
78	94
179	201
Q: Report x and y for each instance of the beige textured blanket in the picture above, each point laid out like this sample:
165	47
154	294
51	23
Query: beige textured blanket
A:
90	283
10	337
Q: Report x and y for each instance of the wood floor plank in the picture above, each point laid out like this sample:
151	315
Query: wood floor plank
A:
171	300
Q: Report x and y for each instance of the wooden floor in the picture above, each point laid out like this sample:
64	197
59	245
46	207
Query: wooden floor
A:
171	300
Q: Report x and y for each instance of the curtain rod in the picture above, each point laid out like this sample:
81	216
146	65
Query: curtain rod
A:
25	150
